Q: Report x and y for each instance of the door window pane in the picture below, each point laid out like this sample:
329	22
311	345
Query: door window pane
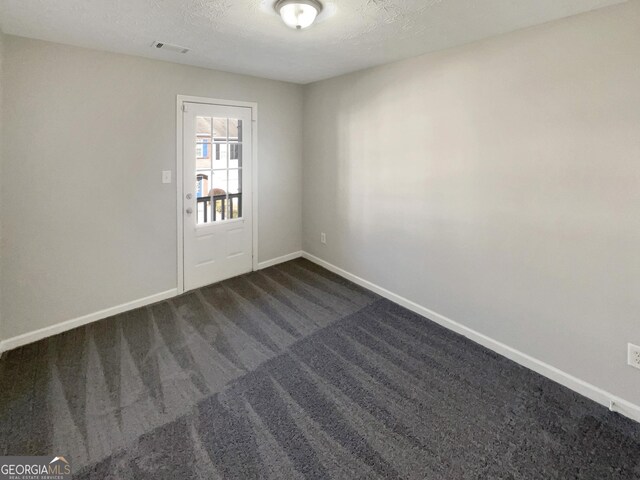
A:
220	154
235	193
218	169
203	127
235	181
218	183
204	152
219	126
235	155
235	130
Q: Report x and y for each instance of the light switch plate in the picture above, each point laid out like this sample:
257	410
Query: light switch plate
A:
166	176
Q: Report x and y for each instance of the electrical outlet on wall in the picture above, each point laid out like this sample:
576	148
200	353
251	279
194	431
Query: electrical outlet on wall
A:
634	355
323	238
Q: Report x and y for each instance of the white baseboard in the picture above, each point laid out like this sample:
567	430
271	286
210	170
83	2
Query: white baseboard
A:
36	335
276	261
30	337
596	394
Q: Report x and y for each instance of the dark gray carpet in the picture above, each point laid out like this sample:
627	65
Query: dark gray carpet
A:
291	373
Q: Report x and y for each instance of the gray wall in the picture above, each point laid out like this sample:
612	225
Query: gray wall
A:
497	184
88	224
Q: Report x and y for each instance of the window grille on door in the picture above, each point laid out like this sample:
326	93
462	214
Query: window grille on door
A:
218	169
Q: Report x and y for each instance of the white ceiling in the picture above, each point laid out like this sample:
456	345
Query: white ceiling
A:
246	36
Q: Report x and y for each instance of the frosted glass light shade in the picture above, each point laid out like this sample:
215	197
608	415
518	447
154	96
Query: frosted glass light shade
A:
298	14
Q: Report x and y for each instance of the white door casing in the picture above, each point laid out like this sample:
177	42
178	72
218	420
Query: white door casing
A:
215	195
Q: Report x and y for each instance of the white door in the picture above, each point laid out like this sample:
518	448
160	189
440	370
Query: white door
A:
217	232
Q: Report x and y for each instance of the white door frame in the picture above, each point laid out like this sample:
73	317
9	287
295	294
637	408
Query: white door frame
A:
181	99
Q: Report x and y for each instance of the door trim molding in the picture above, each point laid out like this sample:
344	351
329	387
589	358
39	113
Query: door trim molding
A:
180	101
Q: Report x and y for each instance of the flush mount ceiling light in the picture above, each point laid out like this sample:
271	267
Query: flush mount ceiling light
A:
298	14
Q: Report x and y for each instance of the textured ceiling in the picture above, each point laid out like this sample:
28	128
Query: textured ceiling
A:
246	36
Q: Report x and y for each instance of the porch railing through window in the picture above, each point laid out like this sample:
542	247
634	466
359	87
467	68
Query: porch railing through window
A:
224	207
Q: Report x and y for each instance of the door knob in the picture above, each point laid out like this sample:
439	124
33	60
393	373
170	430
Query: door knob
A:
189	211
189	196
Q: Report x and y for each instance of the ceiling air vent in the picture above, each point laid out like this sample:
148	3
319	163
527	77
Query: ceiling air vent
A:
169	47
